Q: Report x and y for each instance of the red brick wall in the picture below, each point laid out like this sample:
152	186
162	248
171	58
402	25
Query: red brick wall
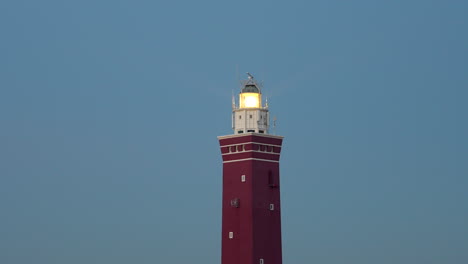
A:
257	229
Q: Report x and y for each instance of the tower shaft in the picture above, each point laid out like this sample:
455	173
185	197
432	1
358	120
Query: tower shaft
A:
251	214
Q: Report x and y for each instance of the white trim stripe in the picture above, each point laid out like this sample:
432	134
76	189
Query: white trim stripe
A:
243	143
245	151
251	134
229	161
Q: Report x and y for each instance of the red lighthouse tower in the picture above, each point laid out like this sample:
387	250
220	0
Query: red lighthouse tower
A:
251	228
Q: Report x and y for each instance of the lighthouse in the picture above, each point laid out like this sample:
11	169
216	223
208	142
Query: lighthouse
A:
251	209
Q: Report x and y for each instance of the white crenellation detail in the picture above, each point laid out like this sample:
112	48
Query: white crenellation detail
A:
239	148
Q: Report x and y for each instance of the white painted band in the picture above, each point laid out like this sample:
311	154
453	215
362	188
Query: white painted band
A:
250	134
229	161
244	151
243	143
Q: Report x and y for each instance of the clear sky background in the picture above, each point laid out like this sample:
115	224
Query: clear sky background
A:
109	113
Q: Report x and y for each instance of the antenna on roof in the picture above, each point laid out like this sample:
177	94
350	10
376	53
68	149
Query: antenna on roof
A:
250	76
233	101
274	125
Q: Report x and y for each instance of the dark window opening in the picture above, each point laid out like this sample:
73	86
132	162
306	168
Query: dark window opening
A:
240	131
240	117
261	131
250	116
272	180
250	130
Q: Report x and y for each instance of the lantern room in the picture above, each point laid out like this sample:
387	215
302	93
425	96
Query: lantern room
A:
251	116
250	96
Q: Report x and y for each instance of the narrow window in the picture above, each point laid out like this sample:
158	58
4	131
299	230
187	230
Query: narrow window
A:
231	235
250	116
272	207
243	178
240	117
261	261
271	180
261	131
250	130
240	131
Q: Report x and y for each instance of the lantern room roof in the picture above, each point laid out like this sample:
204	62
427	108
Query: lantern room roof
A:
250	88
250	85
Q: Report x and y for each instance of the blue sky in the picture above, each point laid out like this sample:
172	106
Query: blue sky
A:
109	114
